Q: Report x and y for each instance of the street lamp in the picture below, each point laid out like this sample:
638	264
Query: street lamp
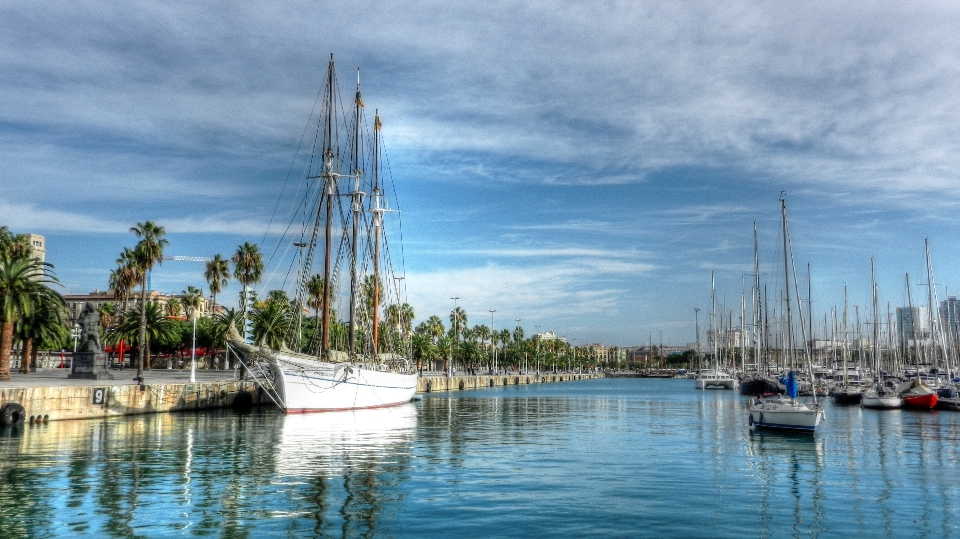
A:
76	335
193	353
492	330
538	349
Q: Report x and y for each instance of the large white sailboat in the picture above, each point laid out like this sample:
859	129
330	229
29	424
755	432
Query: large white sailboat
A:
787	412
316	377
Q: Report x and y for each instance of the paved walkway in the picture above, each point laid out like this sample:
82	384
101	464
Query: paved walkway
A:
58	378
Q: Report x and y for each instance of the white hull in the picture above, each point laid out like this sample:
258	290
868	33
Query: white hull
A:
301	384
313	386
716	383
888	403
785	414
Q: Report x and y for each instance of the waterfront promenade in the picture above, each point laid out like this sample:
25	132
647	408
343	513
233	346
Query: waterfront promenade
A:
48	395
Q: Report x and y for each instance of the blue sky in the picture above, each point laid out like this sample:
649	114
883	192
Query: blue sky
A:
579	166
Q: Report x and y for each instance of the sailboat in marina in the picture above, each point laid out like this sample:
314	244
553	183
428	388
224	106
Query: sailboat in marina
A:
316	377
759	383
787	412
715	378
848	390
878	396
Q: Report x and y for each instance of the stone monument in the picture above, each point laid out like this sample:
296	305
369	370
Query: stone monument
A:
90	362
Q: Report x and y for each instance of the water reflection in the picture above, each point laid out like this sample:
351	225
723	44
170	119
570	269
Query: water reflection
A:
598	459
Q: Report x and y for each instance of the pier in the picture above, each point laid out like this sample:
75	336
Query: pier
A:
50	396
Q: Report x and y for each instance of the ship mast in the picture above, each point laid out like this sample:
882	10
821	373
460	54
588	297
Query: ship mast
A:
330	191
356	206
377	222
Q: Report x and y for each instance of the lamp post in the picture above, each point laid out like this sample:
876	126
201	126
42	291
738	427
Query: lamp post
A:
76	335
456	333
193	352
538	349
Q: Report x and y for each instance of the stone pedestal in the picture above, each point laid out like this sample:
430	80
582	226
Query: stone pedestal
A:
90	366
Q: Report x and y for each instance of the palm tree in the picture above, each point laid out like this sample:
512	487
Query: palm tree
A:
435	326
248	269
14	245
43	320
149	251
272	322
174	308
458	321
505	340
192	297
217	274
423	348
158	328
126	277
21	278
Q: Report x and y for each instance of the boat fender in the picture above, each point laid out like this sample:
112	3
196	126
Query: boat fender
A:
751	420
11	414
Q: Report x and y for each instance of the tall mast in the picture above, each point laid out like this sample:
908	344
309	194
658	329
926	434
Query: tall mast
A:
377	222
936	330
786	283
757	312
356	206
330	190
913	323
713	319
876	321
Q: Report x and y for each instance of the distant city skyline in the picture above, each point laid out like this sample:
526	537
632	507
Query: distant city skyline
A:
580	167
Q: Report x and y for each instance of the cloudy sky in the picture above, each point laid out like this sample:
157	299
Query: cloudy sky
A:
580	166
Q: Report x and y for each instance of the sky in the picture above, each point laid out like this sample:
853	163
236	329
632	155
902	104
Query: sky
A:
580	166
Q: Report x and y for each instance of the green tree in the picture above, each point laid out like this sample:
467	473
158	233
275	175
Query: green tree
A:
247	269
157	329
44	321
21	281
125	277
149	251
217	273
191	298
272	322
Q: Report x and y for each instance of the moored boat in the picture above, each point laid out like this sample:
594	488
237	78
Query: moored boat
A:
948	399
362	371
916	394
759	386
881	398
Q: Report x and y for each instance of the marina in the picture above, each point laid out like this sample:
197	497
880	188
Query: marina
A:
593	458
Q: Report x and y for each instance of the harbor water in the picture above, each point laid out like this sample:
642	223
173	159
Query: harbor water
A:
595	458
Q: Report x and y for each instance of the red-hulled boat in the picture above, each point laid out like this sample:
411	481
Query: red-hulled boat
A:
916	394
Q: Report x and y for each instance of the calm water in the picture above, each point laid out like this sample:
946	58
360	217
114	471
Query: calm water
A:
602	458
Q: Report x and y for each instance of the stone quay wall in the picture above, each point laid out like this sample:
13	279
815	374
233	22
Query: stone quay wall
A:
88	402
55	403
430	384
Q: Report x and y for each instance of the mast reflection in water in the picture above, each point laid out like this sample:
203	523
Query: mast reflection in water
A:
604	458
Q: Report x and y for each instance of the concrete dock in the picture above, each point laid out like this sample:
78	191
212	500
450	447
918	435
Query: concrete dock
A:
49	395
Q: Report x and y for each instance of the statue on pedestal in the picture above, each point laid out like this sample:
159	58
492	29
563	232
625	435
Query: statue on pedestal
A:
90	329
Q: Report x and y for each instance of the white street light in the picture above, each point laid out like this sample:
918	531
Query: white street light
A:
193	353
